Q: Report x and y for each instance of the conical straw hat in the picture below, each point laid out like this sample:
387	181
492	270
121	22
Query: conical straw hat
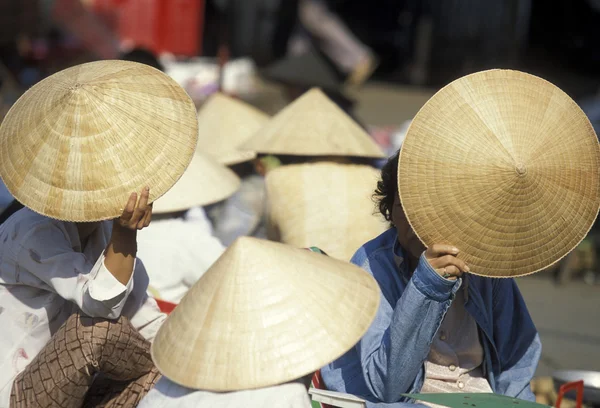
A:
505	166
204	182
77	144
313	125
327	205
224	124
264	314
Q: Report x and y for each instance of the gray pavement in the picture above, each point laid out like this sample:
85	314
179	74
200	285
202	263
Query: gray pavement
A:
568	320
385	104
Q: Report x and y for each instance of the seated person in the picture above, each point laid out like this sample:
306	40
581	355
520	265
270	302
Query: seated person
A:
242	214
224	123
76	319
256	326
326	204
310	152
66	283
438	329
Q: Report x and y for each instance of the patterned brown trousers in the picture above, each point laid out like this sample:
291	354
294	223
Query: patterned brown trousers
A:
89	362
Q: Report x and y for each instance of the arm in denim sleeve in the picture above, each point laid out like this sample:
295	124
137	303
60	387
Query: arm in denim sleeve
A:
517	341
394	348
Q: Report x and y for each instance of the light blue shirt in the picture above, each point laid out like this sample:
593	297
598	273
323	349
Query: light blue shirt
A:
389	360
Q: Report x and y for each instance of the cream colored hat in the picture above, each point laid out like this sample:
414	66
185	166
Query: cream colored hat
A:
505	166
323	204
224	124
77	144
204	182
264	314
313	125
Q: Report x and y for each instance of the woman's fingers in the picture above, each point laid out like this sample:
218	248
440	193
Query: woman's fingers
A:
449	271
129	209
137	216
443	259
145	221
143	204
449	260
148	216
459	263
140	211
439	250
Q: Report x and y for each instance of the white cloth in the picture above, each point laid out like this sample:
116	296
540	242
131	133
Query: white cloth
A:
244	213
167	394
177	252
45	275
454	363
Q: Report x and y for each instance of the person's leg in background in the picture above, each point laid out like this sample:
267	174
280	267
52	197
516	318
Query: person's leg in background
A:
335	40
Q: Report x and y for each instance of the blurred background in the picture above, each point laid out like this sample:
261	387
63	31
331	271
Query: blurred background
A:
380	60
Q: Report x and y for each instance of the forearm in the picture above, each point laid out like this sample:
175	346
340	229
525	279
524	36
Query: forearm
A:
120	253
392	368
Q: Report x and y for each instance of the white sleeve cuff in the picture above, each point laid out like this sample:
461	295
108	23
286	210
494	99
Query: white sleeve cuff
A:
105	287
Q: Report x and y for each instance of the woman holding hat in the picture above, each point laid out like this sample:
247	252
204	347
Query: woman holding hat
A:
73	306
257	325
481	192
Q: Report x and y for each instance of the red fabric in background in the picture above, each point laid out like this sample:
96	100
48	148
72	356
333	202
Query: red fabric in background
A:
173	26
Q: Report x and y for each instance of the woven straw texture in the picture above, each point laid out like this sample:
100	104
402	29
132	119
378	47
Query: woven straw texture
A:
224	124
326	205
264	314
77	144
313	125
505	166
204	182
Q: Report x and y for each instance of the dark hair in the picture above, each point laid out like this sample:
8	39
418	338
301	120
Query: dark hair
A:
387	187
294	159
143	56
243	169
10	210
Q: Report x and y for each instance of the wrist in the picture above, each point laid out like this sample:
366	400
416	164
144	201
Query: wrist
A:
431	283
121	231
123	240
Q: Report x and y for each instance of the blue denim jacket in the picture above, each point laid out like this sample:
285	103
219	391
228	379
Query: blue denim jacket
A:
389	360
